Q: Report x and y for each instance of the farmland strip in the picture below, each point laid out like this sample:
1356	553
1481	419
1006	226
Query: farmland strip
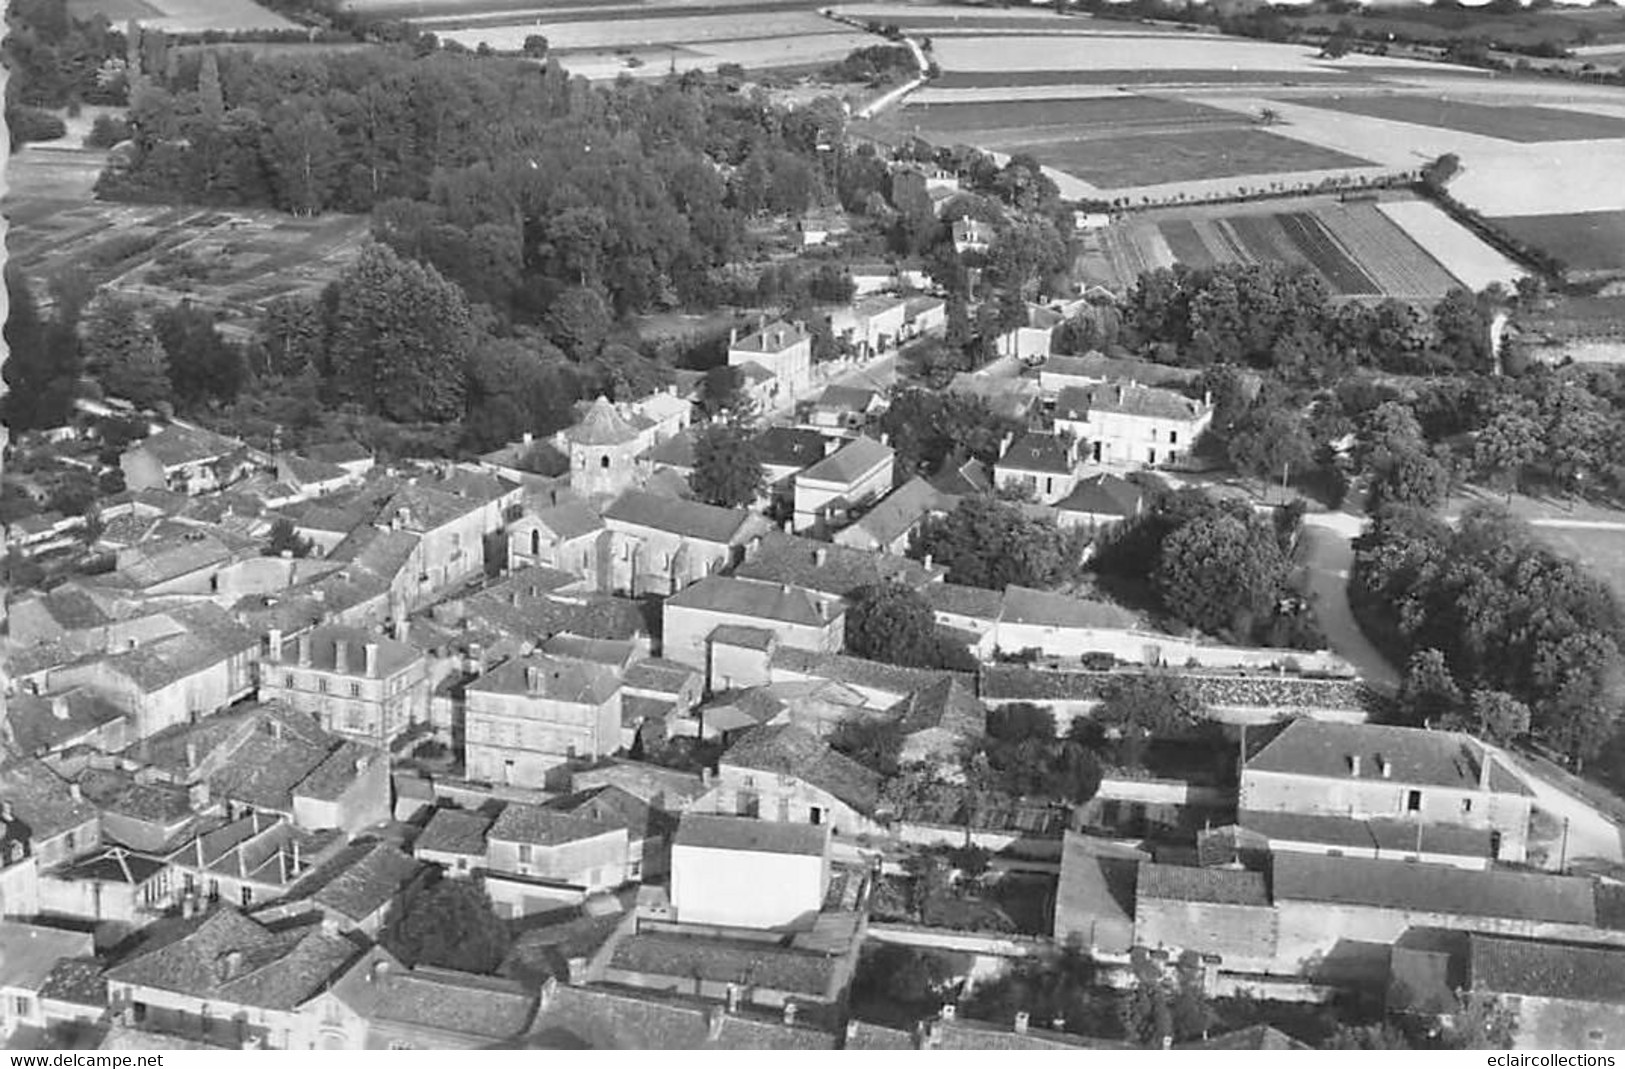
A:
1237	252
1186	244
1343	274
1398	265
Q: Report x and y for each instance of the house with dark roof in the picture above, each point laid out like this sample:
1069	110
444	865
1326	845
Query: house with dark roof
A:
29	957
228	980
744	872
1126	423
659	545
786	774
454	839
648	828
44	820
530	715
844	408
139	814
1099	501
1042	465
310	477
887	527
937	720
836	571
1445	785
791	615
354	890
358	684
831	490
564	536
184	458
249	861
1222	910
37	725
538	859
666	789
615	1017
784	451
784	351
75	993
380	1004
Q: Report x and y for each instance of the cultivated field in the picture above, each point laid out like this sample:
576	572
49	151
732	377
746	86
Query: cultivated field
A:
1010	121
1128	161
1585	241
184	16
1356	249
1521	123
1462	254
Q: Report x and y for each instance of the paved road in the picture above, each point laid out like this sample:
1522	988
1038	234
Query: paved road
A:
1592	836
1327	555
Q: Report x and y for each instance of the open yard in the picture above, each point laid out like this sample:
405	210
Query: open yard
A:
1525	124
1585	241
1130	160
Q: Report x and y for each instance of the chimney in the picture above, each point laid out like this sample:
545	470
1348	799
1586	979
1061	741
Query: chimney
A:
379	971
947	1013
1385	767
304	650
273	639
778	339
372	658
1207	398
1119	394
761	322
733	337
1484	770
59	706
76	792
296	855
550	992
1058	1024
705	777
526	438
191	755
789	1012
732	996
714	1019
820	557
1167	1042
929	558
341	656
851	1031
1354	765
403	628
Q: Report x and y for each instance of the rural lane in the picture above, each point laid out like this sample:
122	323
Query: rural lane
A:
1327	557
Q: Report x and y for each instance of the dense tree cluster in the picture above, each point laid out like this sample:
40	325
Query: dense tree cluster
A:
55	60
892	623
874	65
1487	608
928	429
990	543
450	924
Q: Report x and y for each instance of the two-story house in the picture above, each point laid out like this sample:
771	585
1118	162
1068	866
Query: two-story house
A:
787	774
871	325
659	545
782	349
1369	790
745	873
357	684
536	858
1042	465
1127	423
533	714
853	476
792	616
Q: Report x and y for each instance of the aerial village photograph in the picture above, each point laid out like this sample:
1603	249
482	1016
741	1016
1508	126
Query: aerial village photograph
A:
1089	525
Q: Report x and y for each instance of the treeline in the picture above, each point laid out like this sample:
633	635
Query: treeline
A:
1283	318
1501	613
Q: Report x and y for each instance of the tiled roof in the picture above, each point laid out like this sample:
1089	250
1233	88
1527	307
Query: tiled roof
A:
1103	368
178	444
725	961
613	1018
979	1035
79	981
229	958
845	398
690	519
755	600
968	478
611	653
946	705
1130	399
42	799
420	508
71	606
774	337
664	787
1037	452
264	771
379	988
826	567
455	831
853	670
1254	1037
787	447
902	509
793	751
1023	605
976	602
323	642
339	771
749	638
1104	495
532	824
658	674
571	520
602	425
1280	692
1220	886
36	724
676	451
1401	885
360	880
1308	747
851	462
1394	836
29	952
119	792
1540	969
753	836
312	471
552	678
614	806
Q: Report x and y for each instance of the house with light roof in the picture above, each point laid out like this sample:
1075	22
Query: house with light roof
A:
565	536
538	859
530	715
659	545
784	351
1042	465
185	458
787	615
357	684
855	475
1125	423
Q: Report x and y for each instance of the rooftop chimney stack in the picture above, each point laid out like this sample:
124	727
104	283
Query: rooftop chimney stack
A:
1354	765
1385	767
304	650
820	557
948	1009
341	656
789	1012
732	996
273	639
1021	1022
372	658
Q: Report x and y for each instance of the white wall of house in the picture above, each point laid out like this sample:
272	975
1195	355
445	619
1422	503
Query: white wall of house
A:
745	888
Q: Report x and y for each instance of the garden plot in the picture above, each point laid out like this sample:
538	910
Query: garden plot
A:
1457	250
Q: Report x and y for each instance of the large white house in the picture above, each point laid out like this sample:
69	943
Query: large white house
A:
1127	423
783	350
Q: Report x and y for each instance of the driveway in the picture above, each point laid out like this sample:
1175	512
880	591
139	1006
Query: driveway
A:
1326	552
1592	837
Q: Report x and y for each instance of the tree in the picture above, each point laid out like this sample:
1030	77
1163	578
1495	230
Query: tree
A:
401	338
285	538
722	393
123	354
989	543
913	976
535	46
928	881
1142	707
1494	715
1505	446
727	468
1270	443
1164	1004
1482	1022
1367	1037
1428	690
1412	477
1221	574
211	101
892	623
202	364
875	743
450	924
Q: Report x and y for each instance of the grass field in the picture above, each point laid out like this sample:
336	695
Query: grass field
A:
1585	241
185	16
1132	160
1521	123
1600	550
1139	76
1094	113
1461	252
